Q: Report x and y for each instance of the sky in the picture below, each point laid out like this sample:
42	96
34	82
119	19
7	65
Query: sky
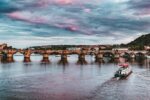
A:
25	23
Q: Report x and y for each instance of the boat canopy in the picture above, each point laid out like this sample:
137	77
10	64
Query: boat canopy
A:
124	65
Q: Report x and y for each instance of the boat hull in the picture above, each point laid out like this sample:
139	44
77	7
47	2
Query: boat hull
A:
122	76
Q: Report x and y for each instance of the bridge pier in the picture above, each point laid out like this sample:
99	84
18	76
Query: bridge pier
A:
99	57
116	55
64	59
8	56
27	59
132	55
81	58
116	61
10	60
45	58
27	55
10	53
140	56
3	57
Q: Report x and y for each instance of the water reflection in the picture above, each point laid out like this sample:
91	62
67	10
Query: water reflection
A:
27	64
63	60
45	60
27	60
71	79
82	62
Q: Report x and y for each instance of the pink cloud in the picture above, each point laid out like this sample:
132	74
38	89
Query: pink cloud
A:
144	12
72	28
64	1
27	18
44	3
66	23
87	10
68	27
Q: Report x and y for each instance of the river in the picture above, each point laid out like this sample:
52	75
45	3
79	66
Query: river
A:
72	81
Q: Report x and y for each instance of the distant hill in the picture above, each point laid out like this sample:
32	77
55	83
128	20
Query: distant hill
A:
141	41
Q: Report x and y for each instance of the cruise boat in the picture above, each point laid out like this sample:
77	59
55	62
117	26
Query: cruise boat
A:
123	72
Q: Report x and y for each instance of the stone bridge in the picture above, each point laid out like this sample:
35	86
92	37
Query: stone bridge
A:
81	54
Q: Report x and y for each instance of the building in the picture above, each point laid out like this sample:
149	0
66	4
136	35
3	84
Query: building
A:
120	49
74	48
3	46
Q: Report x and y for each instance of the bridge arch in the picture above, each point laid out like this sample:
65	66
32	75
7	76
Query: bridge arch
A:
139	55
18	56
74	53
126	55
108	54
55	53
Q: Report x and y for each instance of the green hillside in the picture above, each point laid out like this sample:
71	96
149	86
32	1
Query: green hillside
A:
140	42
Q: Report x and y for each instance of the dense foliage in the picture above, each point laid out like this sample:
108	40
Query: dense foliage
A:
140	42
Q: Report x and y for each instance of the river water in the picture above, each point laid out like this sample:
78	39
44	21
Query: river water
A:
53	81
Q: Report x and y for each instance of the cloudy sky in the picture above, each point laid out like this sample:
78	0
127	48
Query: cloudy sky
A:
26	23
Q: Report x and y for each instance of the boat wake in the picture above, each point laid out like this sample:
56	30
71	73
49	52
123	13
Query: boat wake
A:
143	77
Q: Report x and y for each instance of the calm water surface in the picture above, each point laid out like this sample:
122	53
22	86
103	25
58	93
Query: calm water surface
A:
37	81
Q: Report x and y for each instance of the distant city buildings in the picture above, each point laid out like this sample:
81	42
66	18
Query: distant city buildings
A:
121	49
3	46
74	48
91	47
